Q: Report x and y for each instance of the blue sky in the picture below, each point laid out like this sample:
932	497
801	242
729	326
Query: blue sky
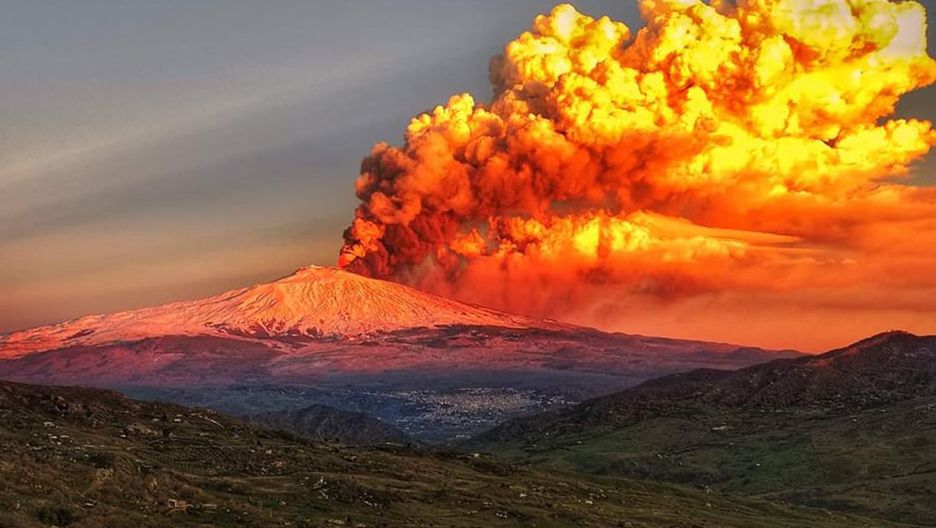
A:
153	151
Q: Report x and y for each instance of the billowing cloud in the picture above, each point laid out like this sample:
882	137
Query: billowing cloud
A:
726	149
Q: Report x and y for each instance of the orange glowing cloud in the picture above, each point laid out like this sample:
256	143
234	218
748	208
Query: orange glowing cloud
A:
724	148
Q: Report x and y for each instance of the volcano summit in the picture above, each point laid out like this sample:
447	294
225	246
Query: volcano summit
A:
312	302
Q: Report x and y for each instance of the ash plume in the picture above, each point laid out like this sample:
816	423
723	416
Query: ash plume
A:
733	147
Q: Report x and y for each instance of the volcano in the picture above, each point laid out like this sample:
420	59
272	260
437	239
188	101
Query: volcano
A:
312	302
323	336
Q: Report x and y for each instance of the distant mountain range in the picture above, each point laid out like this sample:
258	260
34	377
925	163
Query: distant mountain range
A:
437	368
853	430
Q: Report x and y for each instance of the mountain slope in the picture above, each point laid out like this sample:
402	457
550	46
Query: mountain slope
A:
312	302
853	429
890	367
327	424
434	383
433	367
84	458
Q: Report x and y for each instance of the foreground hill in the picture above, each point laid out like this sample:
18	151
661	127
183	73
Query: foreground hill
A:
327	424
434	367
89	458
853	429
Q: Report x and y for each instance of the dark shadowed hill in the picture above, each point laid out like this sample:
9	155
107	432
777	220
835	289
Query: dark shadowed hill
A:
327	424
85	458
886	368
853	429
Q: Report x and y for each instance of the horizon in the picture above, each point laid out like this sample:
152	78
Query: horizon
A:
301	269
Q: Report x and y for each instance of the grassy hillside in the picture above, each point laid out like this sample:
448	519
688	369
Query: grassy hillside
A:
91	458
880	462
851	431
327	424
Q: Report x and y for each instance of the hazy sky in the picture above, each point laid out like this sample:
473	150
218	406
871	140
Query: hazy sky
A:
153	151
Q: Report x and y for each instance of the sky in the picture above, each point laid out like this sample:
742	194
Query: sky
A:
156	151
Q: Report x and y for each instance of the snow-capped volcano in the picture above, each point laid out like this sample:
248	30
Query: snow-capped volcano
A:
327	337
313	301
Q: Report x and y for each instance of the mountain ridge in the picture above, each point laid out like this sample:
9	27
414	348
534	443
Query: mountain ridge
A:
884	367
853	429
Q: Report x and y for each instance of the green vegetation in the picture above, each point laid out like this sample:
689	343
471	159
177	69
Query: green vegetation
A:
880	461
88	458
689	451
849	431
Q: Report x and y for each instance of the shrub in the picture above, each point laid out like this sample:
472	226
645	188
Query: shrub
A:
55	516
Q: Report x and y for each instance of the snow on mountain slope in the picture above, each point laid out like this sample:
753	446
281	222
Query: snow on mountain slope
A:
313	301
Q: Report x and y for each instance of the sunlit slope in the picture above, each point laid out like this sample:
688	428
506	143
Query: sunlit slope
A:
312	302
